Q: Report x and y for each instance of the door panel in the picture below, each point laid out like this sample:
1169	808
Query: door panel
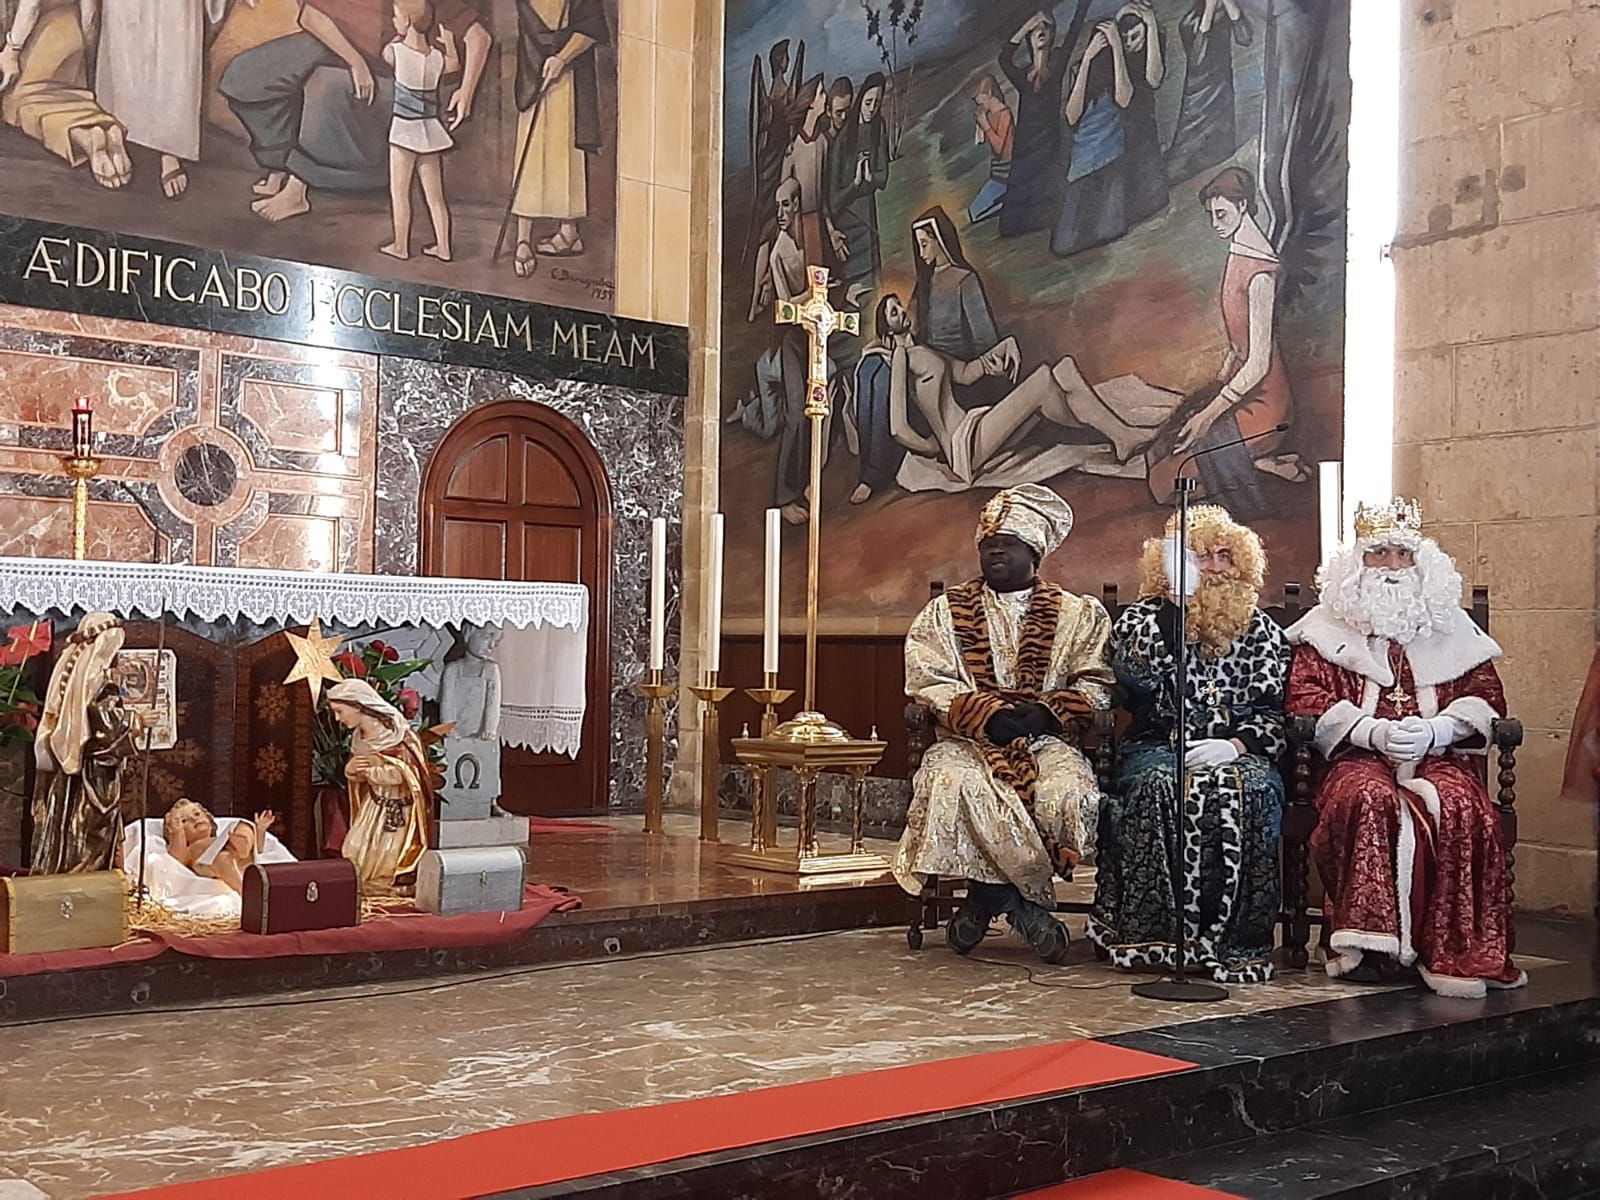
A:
552	523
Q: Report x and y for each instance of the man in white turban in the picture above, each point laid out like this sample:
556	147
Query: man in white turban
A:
1403	689
1013	668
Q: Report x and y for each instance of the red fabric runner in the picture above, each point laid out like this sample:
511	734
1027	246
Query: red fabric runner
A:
396	931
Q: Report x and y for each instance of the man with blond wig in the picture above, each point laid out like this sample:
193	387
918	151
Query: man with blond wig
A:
1403	687
1225	837
1013	669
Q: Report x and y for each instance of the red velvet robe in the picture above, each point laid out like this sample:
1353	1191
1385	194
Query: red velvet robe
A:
1459	918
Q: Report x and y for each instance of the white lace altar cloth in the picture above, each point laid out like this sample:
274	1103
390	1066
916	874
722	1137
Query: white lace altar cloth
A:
544	654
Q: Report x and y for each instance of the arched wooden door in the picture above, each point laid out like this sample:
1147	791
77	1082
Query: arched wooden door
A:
515	491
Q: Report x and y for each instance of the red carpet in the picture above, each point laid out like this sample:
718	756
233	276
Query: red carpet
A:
563	825
1126	1185
546	1152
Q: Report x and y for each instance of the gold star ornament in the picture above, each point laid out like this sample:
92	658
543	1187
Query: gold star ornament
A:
313	659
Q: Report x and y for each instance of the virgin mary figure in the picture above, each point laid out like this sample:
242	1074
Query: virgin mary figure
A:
85	737
391	790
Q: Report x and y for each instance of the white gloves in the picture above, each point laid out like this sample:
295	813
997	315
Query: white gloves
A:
1210	752
1407	740
1169	564
1445	731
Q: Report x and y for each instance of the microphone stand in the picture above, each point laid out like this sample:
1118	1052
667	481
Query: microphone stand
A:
1179	987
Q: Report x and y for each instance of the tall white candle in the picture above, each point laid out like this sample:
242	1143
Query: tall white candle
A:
658	594
769	628
1331	506
714	597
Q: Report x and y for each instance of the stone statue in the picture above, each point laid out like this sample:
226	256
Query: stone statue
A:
469	689
86	736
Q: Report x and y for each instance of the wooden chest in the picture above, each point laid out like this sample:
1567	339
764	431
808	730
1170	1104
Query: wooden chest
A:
480	879
298	897
40	914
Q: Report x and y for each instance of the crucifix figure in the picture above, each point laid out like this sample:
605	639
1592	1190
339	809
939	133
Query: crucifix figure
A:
821	321
1399	697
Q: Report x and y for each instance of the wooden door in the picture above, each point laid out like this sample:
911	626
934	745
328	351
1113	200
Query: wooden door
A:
515	491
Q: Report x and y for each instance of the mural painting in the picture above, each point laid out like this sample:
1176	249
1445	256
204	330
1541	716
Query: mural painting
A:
464	143
1087	240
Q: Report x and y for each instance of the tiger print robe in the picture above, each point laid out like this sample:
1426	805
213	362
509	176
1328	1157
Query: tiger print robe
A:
1003	814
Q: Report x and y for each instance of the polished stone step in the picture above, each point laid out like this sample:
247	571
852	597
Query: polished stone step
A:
1533	1137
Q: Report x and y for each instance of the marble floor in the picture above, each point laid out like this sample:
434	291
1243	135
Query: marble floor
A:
115	1103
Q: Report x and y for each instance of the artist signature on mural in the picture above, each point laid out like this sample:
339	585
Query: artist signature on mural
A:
599	288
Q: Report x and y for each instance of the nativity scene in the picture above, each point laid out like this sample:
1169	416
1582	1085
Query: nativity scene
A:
659	598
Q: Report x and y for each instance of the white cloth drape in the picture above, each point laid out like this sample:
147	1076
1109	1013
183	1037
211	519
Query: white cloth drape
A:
543	673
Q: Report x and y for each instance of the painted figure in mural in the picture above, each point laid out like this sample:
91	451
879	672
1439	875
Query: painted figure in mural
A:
1115	174
1206	133
85	738
318	104
1013	669
1035	63
949	309
778	402
1403	688
773	116
44	90
422	54
806	162
996	128
391	789
1233	805
558	97
158	108
964	443
858	169
879	454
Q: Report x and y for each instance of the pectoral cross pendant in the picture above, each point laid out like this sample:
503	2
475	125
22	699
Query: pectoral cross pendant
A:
1399	697
1211	693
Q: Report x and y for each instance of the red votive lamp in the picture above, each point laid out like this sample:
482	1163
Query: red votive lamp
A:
82	428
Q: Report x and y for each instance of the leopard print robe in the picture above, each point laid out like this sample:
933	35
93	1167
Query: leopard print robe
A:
1003	814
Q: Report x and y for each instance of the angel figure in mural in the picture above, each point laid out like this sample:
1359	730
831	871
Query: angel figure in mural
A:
45	93
969	447
772	120
558	99
1115	174
1206	133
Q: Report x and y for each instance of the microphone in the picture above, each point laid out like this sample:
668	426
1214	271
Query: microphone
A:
1229	445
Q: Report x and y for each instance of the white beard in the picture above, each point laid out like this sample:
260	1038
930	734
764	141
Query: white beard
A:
1391	604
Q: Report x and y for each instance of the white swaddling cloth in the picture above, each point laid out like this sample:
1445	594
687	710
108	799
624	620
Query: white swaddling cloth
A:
171	883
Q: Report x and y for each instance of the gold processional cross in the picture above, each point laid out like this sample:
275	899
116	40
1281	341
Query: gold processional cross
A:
821	321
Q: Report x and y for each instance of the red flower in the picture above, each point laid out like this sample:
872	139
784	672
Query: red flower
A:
26	641
390	654
410	702
351	664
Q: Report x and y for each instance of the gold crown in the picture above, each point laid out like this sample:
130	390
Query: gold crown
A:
1382	520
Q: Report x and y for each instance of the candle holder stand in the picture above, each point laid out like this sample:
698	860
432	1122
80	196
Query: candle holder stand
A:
764	800
711	696
656	690
80	469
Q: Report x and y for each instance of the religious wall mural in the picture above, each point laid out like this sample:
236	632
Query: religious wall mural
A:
1086	240
469	144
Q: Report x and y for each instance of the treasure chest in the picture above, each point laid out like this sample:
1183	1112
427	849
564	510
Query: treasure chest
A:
44	913
477	879
298	897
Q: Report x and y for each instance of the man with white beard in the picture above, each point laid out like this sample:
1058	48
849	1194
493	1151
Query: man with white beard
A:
1402	686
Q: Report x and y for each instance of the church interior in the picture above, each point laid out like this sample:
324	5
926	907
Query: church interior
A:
799	598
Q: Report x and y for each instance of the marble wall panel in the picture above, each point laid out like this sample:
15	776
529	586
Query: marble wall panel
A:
639	438
206	437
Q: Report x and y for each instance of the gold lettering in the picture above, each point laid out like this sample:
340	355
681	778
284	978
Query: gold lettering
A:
44	263
424	315
280	281
247	289
450	311
100	266
646	344
366	311
614	349
129	271
166	278
346	290
213	289
397	303
486	325
591	334
564	336
522	326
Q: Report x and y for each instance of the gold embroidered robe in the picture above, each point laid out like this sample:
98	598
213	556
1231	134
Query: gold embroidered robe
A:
1012	814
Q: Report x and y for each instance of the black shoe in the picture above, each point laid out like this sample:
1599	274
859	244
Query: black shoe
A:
1045	934
966	929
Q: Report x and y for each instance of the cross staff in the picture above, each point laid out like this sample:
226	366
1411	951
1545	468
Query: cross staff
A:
821	321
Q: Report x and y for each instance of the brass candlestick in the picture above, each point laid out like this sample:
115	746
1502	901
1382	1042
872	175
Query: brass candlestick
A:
764	802
657	691
711	696
80	469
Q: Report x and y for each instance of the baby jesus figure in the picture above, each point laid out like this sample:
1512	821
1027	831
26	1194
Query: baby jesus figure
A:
190	829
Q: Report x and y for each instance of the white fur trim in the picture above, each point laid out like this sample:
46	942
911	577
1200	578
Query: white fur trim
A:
1343	963
1335	725
1427	793
1494	985
1405	853
1342	645
1453	986
1428	701
1435	657
1345	941
1438	657
1476	713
